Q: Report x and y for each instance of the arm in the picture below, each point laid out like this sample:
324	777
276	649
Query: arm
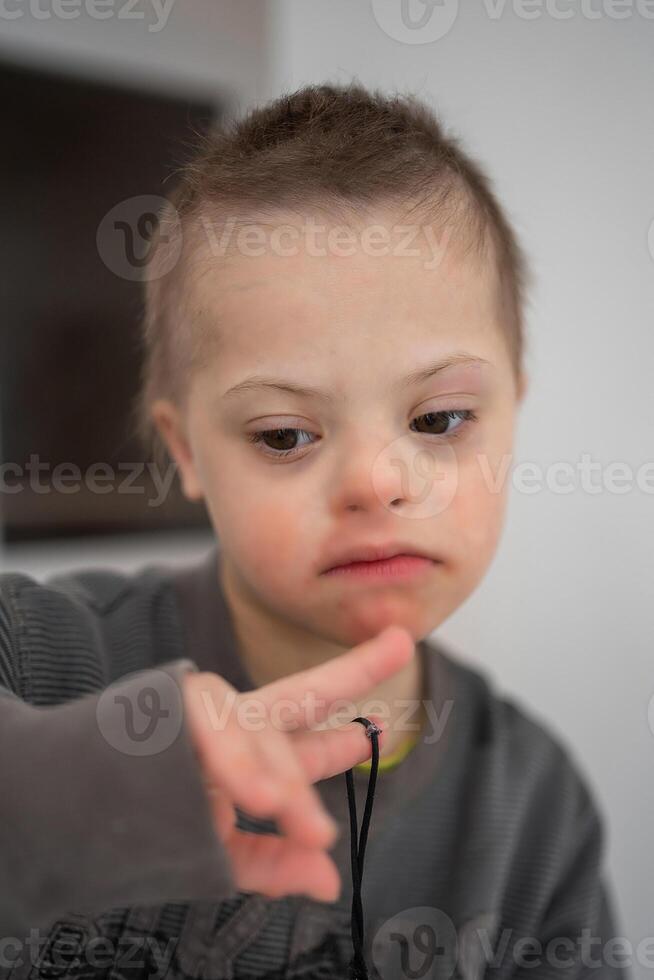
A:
102	801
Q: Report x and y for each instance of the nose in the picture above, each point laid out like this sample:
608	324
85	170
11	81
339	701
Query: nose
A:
370	474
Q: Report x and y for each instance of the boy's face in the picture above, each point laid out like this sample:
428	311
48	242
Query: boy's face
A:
366	466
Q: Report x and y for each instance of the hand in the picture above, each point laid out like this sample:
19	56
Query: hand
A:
269	772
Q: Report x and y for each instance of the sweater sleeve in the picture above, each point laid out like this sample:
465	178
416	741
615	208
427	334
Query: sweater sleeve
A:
103	801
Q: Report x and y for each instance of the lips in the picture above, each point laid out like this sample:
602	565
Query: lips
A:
372	553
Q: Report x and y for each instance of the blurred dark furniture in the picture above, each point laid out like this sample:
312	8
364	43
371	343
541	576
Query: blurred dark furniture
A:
69	363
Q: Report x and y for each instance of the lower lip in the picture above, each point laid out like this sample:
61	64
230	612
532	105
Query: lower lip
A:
399	567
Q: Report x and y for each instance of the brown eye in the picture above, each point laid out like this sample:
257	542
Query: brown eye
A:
277	442
437	423
280	440
288	441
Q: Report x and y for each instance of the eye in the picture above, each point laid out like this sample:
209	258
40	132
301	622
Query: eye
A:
282	438
285	441
440	420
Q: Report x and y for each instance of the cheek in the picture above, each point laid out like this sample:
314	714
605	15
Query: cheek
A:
476	512
267	536
258	515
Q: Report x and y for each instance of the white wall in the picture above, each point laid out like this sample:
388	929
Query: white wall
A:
560	113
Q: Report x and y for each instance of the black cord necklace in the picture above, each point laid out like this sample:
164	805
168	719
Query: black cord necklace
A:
357	969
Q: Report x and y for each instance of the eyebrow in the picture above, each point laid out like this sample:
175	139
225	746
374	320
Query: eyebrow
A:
256	381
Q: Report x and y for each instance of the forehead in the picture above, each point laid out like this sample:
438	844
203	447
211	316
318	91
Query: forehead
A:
337	292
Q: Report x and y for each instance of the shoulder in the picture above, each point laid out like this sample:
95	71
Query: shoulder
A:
531	833
522	766
80	630
92	587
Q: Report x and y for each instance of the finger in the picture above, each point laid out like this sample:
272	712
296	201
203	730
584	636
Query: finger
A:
271	784
312	692
300	759
234	768
299	810
230	761
275	866
326	753
224	814
272	868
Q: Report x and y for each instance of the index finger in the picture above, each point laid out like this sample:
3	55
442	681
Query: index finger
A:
350	675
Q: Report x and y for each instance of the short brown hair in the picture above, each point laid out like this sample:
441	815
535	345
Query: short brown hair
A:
343	148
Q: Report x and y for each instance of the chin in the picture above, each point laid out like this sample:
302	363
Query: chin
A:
359	623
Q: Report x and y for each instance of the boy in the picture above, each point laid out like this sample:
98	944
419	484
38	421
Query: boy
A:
334	363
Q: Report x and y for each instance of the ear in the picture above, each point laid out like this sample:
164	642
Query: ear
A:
168	421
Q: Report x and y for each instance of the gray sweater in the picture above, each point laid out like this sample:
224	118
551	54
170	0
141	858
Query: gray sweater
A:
485	850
